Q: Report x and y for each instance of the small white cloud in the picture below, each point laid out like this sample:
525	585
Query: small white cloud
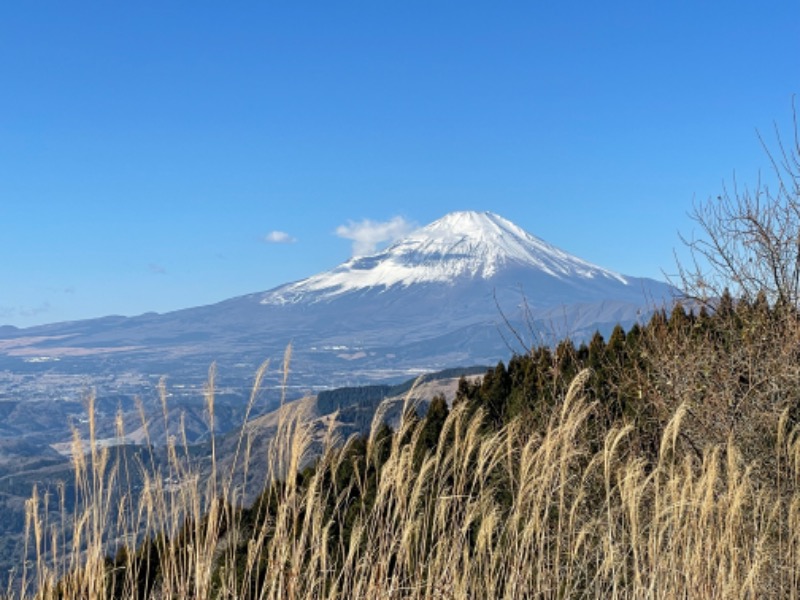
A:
367	235
279	237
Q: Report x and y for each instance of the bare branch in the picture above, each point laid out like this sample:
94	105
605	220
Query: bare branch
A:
750	239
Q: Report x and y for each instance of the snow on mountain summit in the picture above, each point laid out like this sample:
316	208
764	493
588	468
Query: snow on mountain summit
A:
460	245
482	243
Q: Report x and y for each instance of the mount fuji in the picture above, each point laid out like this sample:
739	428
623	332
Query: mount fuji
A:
468	289
459	248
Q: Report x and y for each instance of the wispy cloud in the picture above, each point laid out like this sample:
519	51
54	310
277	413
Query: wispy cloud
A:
157	269
367	235
278	237
11	312
33	311
60	290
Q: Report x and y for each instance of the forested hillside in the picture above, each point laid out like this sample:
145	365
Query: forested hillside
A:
656	463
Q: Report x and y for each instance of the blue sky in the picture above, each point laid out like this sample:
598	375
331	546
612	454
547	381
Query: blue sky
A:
150	151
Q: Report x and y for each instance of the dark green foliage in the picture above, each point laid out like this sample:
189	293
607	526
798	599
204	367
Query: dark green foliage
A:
145	566
357	404
467	391
495	392
431	428
679	321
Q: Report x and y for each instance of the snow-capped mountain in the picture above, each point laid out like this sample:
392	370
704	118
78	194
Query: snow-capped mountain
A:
449	294
459	247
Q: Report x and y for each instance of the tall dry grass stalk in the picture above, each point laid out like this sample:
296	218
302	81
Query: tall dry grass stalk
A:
515	513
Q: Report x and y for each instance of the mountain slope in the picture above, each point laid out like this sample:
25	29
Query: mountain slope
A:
462	246
438	298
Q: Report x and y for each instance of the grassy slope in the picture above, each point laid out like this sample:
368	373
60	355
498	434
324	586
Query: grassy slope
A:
662	463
